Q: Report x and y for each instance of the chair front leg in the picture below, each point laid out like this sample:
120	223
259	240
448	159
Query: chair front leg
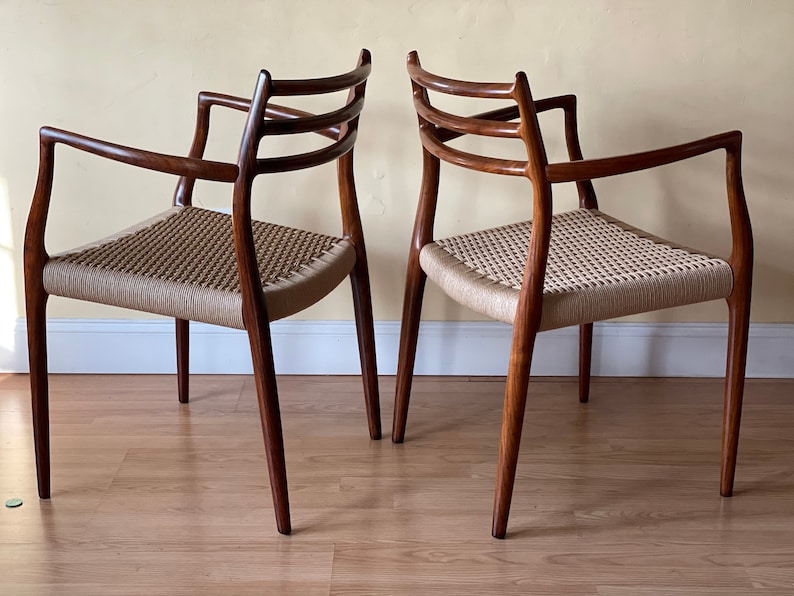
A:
365	330
738	330
36	304
512	423
409	334
267	396
183	359
585	358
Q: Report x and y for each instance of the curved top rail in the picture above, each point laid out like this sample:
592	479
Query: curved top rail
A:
312	122
456	87
341	82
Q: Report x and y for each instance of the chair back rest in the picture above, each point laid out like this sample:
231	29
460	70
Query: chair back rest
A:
268	119
437	127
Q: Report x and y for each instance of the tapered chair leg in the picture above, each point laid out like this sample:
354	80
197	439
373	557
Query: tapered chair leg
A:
183	359
267	396
365	330
409	334
512	423
738	329
36	302
585	358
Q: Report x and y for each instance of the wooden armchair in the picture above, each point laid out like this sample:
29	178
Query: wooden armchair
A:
195	264
561	269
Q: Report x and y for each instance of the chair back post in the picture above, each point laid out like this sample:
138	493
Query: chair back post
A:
530	299
431	168
35	251
254	306
741	257
587	195
351	217
183	195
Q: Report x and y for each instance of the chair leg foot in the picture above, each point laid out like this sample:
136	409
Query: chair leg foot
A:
270	415
39	387
738	329
585	358
512	423
365	330
183	360
409	335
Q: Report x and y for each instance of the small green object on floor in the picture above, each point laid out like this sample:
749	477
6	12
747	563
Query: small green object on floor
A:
13	503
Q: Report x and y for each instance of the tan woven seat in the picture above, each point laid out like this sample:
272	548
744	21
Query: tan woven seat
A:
598	268
572	268
181	264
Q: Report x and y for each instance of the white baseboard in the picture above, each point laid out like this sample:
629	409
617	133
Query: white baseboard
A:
445	348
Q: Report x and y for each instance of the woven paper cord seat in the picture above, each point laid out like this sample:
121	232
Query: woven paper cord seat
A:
598	268
181	264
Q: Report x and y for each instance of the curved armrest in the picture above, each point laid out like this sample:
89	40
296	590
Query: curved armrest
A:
589	169
209	98
741	258
561	102
170	164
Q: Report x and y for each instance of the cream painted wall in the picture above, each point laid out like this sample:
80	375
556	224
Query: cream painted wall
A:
647	74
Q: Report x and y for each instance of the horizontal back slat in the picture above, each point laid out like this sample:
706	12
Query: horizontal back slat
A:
454	156
339	125
465	125
314	123
437	127
300	161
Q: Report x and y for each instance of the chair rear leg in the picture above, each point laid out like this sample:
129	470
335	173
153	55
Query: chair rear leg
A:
183	360
267	396
36	302
365	330
738	329
512	423
585	357
409	333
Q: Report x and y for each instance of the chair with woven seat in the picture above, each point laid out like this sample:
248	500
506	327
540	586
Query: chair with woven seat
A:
557	270
196	264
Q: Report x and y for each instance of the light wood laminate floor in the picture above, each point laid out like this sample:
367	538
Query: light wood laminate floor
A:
618	497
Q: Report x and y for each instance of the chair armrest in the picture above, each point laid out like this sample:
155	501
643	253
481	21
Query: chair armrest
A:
741	257
209	98
170	164
187	167
558	102
589	169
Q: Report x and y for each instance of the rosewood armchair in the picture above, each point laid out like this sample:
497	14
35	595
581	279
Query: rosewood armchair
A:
561	269
194	264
